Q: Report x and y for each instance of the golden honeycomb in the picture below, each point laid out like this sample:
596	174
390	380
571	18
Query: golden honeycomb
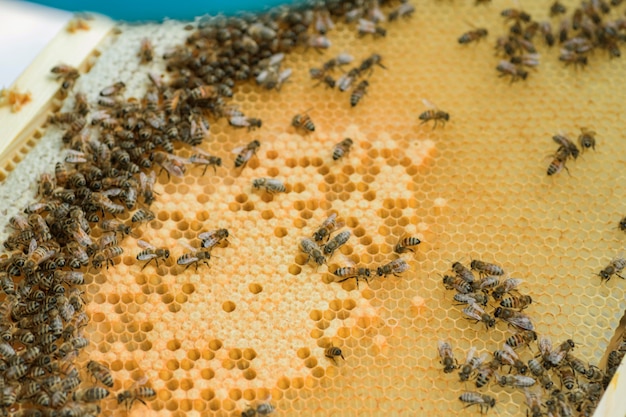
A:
252	326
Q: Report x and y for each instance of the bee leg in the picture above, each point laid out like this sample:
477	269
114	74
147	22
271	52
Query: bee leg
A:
144	265
620	276
204	172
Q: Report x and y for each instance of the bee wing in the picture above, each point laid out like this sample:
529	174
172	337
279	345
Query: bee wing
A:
346	261
207	235
471	313
470	355
144	244
329	220
508	349
442	346
178	159
477	308
275	182
522	322
238	149
429	104
344	58
187	245
32	246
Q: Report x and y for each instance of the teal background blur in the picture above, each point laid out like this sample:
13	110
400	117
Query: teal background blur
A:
143	10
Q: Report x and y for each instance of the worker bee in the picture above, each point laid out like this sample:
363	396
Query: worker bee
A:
303	122
403	10
319	42
312	250
565	143
113	225
137	392
332	352
557	8
537	369
435	114
106	255
593	374
507	356
446	356
90	395
485	402
507	68
514	318
473	36
486	268
587	139
172	164
113	89
615	267
475	312
486	372
342	148
203	92
546	30
458	284
515	14
142	215
577	364
479	298
202	158
517	381
146	51
213	238
359	92
505	287
472	363
394	267
39	253
558	161
369	27
405	244
462	272
150	252
486	283
194	256
271	185
244	153
335	243
573	57
347	272
326	79
345	81
65	71
101	373
519	302
567	376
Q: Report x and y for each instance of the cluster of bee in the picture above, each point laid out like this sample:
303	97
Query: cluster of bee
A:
581	384
348	79
209	241
568	149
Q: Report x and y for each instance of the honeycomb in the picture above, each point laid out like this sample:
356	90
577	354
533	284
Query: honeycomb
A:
252	327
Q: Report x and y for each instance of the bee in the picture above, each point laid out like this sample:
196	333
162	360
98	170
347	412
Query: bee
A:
195	256
475	312
326	79
403	10
514	318
587	139
517	381
558	162
213	238
505	287
462	272
475	398
244	153
202	158
312	250
136	393
142	215
106	255
486	283
458	284
332	352
335	243
150	252
472	298
347	272
519	302
271	185
405	244
472	363
594	374
65	71
566	375
113	225
394	267
359	92
113	89
537	369
546	30
507	68
486	268
90	395
146	51
486	372
572	57
319	42
345	81
515	14
342	148
38	254
507	356
566	144
303	122
435	114
557	8
473	36
173	165
577	364
101	373
446	356
368	27
554	358
615	267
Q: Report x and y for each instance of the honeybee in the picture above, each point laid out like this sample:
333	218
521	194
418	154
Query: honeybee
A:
347	272
345	81
106	255
473	36
101	373
573	57
335	243
65	71
479	298
342	148
403	10
142	215
90	395
508	68
514	318
593	374
38	254
172	164
446	356
566	144
517	381
557	8
458	284
507	356
332	352
435	114
515	14
213	238
319	42
519	302
486	268
150	252
505	287
615	267
113	89
368	27
485	402
537	369
395	267
201	158
146	51
271	185
312	250
486	283
113	225
195	256
486	372
472	363
359	92
326	79
244	153
546	30
136	393
462	272
475	312
303	122
587	139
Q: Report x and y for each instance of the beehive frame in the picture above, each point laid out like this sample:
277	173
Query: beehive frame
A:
459	209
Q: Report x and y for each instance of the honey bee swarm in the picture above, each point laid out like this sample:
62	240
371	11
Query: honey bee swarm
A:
252	327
